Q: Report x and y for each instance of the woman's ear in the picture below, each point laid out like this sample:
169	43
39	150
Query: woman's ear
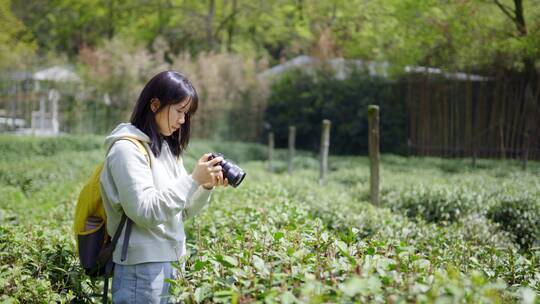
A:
154	104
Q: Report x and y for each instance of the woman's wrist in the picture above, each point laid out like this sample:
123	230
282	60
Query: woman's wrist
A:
205	186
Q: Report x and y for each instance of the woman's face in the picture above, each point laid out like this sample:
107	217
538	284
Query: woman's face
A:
170	117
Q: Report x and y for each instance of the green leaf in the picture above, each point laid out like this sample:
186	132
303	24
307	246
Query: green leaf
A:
199	265
231	261
259	264
202	293
278	235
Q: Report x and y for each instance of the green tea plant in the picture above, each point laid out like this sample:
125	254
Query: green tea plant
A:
441	235
519	216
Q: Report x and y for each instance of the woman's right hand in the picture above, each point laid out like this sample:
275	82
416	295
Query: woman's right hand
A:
206	173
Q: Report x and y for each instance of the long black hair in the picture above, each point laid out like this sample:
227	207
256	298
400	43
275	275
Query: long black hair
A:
169	87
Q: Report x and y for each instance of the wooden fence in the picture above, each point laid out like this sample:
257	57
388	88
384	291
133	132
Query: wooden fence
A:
465	118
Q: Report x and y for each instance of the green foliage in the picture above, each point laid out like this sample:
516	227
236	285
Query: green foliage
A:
437	204
304	99
285	238
65	25
400	31
39	265
18	148
519	216
439	33
38	193
16	42
247	27
295	241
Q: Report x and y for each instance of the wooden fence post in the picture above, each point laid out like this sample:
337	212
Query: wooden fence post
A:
373	137
474	157
525	151
270	151
292	138
325	144
501	136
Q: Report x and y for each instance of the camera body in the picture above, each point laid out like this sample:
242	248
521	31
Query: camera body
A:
232	172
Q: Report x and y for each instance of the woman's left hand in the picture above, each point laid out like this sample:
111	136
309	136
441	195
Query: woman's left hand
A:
218	180
208	173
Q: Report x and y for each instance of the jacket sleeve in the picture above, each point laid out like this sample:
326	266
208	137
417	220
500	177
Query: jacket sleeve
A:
142	202
198	197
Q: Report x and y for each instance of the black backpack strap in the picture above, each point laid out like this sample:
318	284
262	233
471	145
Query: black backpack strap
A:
127	235
104	258
118	231
107	258
105	298
129	225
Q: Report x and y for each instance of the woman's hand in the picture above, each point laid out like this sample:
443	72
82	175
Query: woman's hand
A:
208	174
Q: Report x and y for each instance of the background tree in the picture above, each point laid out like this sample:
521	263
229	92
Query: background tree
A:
16	42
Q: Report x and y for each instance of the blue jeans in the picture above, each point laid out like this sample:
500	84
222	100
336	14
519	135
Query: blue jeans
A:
142	283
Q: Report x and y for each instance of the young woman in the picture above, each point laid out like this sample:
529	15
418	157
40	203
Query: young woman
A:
157	196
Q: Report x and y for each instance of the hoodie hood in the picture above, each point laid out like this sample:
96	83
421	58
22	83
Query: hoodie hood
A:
125	130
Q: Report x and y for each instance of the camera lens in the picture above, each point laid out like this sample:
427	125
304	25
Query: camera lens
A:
234	174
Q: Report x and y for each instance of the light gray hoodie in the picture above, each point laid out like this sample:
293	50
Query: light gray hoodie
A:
156	198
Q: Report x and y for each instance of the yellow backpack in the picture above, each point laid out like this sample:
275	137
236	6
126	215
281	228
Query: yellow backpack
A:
94	245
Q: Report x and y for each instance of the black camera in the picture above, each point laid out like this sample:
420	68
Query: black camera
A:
234	174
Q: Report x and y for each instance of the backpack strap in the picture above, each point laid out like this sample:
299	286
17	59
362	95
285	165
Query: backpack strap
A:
118	231
139	145
125	219
126	239
109	265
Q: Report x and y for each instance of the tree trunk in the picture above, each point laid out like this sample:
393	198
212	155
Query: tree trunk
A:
231	26
111	19
209	24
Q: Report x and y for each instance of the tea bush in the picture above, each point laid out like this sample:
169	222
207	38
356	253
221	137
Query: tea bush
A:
39	265
287	238
519	216
436	204
13	148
